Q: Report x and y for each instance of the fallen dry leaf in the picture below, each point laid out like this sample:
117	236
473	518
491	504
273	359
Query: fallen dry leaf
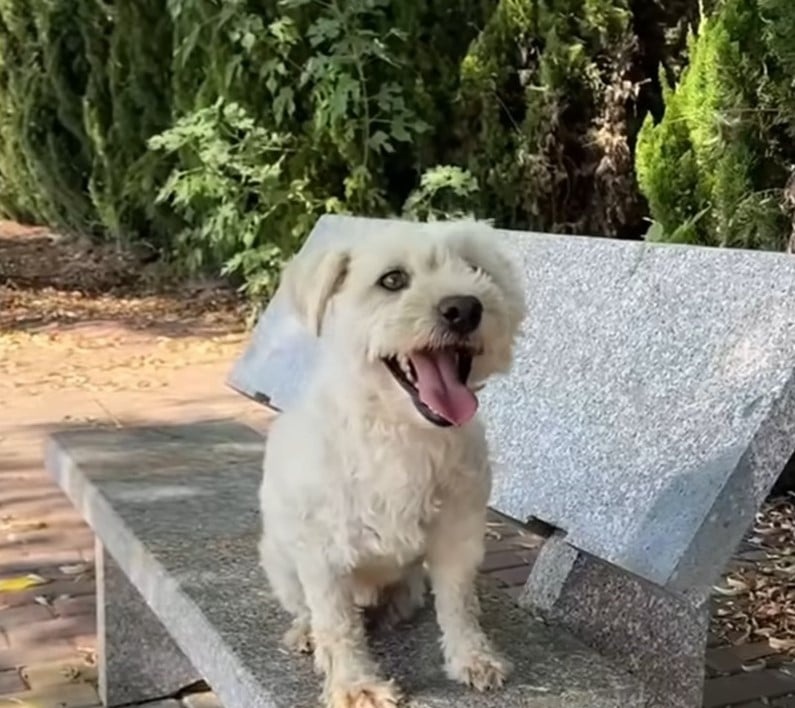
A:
75	568
22	582
756	665
782	644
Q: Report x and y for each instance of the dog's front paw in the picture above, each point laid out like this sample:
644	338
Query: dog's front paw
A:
371	694
482	670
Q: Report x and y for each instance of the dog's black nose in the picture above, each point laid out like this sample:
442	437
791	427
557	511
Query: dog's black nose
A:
461	313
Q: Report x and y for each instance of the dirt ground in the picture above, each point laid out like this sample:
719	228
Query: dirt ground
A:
80	324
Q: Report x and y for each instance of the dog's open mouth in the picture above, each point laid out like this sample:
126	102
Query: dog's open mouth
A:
436	380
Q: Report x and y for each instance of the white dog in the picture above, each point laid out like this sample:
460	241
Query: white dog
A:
380	472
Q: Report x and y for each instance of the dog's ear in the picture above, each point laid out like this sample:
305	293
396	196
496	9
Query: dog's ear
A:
311	280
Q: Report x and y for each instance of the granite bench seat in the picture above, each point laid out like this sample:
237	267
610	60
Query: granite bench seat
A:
181	595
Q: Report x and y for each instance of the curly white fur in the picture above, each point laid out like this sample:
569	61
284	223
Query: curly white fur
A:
361	494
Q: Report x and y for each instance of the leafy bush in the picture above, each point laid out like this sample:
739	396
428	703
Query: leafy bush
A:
546	91
444	192
79	97
44	151
217	131
231	190
716	167
315	107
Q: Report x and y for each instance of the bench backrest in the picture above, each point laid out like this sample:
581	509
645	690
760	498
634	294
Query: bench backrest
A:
651	405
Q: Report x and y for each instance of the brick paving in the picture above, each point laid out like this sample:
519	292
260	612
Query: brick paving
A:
104	375
89	375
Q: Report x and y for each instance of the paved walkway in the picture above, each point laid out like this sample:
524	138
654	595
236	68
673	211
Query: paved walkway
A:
106	374
97	374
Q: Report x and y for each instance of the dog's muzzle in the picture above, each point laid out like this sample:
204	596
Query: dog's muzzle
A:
436	381
436	377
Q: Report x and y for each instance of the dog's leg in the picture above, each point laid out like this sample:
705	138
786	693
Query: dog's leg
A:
453	561
341	652
284	582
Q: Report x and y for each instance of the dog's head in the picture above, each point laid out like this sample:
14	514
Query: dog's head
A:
423	319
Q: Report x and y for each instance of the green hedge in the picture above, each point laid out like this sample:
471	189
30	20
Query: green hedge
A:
217	131
716	168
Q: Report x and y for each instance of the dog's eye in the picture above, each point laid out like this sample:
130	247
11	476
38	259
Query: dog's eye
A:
475	268
394	280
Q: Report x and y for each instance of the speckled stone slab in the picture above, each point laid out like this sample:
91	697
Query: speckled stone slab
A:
659	636
651	405
176	507
137	659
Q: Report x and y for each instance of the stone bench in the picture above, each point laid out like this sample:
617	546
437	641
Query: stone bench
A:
181	595
651	408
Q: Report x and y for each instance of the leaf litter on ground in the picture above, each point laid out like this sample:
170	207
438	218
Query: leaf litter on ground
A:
755	600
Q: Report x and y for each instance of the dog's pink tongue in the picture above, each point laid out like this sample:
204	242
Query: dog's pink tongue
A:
440	388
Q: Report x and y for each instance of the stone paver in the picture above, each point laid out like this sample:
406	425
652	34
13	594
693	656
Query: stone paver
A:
13	617
748	686
56	673
730	660
69	605
52	628
18	657
93	375
11	682
76	695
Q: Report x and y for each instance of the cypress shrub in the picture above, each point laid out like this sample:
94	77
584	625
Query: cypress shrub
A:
83	85
715	168
547	91
45	155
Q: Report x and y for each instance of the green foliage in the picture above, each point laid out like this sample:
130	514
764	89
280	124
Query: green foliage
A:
715	168
217	131
44	151
546	94
126	101
444	192
339	121
231	174
80	96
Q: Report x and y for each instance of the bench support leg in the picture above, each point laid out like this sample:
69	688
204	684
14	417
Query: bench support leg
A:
137	659
658	636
